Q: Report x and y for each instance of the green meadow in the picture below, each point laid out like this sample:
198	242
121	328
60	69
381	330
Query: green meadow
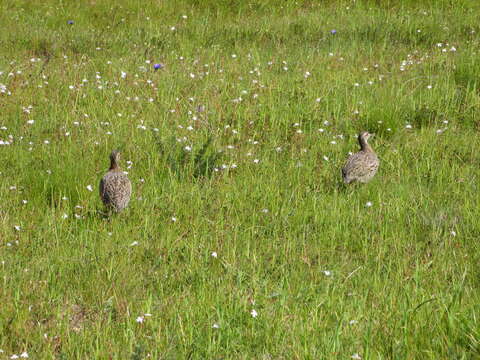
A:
241	240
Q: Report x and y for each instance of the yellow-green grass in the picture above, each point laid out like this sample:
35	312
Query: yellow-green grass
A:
239	210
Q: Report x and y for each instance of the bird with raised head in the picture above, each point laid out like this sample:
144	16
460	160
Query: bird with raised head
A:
115	187
363	165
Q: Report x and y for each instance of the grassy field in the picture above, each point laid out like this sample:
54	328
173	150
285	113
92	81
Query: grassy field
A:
241	241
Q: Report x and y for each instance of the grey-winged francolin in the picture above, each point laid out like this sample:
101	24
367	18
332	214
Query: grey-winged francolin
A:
115	187
363	165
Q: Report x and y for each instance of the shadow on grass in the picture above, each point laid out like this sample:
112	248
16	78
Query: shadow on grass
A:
186	164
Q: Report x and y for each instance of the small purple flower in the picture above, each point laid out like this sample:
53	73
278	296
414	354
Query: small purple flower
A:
333	32
70	22
158	66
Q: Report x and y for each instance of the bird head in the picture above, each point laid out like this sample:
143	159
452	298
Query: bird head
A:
114	159
363	140
365	135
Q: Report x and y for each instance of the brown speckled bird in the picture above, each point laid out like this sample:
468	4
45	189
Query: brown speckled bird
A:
363	165
115	187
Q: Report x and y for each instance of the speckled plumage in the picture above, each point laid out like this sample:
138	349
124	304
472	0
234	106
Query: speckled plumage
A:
363	165
115	187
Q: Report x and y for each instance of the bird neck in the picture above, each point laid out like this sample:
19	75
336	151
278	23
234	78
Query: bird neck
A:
364	145
113	165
